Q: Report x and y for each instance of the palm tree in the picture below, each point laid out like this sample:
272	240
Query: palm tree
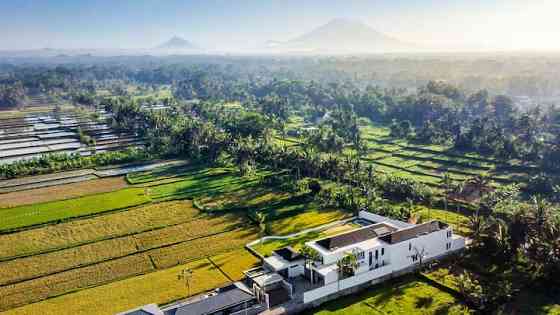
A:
310	255
481	183
186	275
478	225
347	266
540	211
262	224
446	182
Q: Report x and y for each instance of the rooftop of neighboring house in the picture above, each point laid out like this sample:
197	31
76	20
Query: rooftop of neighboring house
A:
222	299
150	309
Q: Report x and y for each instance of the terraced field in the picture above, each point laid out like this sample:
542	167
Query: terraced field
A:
97	248
427	163
33	133
98	243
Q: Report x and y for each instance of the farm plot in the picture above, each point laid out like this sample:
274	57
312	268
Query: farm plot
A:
84	231
158	287
234	263
57	132
61	191
46	287
25	182
286	212
83	263
202	226
30	215
202	247
161	173
31	267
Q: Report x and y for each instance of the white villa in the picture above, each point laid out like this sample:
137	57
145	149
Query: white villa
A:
381	249
289	282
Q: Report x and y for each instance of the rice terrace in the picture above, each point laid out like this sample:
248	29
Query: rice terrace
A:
341	171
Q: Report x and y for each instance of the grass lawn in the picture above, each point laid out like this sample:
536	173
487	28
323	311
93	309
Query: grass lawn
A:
59	210
297	242
409	296
202	182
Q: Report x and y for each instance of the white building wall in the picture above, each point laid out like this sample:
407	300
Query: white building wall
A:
397	257
331	277
335	286
458	242
295	270
312	295
433	244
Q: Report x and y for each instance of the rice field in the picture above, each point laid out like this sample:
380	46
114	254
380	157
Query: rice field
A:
35	278
84	231
33	133
30	215
427	163
61	192
156	287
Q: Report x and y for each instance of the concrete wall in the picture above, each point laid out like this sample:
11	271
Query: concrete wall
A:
312	295
458	243
295	270
432	245
347	283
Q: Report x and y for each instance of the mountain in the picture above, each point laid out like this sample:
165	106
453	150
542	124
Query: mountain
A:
342	35
177	42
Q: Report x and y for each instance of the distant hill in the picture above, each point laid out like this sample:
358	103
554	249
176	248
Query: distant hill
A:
177	42
342	35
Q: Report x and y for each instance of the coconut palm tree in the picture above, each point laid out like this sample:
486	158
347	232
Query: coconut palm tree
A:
446	183
311	256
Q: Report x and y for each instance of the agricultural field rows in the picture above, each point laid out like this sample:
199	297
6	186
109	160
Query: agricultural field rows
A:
108	247
50	132
157	287
61	191
74	233
123	257
427	163
30	215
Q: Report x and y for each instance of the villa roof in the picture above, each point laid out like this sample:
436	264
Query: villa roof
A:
413	232
288	254
356	236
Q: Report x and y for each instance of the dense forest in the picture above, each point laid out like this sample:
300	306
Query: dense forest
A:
230	110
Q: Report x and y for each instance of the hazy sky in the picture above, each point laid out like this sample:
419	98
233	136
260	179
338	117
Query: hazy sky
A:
233	24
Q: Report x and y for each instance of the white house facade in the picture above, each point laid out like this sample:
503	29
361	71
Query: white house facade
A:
378	251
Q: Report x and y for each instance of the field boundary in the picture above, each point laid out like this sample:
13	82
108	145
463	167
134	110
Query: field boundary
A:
138	252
